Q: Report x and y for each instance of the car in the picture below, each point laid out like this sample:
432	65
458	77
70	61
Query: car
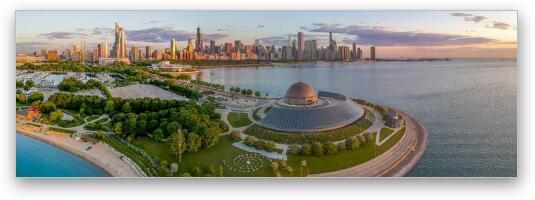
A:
88	148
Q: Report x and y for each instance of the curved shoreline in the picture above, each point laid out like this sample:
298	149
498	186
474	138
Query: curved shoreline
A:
395	162
102	157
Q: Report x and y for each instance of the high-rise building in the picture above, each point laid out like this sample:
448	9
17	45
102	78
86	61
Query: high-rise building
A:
300	45
354	52
228	48
43	53
135	53
237	45
372	53
359	53
198	40
343	52
102	50
212	46
148	52
331	46
52	55
173	49
119	46
191	46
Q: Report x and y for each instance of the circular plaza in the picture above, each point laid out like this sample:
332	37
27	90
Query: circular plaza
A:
303	110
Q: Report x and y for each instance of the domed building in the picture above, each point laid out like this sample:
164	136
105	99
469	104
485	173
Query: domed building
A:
303	110
301	93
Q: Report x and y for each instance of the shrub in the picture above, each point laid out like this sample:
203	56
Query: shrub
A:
317	149
250	140
36	96
368	136
283	164
197	171
330	148
361	139
352	144
274	166
235	135
294	149
305	149
259	144
270	146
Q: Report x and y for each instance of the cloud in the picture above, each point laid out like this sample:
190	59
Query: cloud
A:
153	22
63	35
102	30
499	25
276	40
303	28
166	34
475	19
260	26
381	36
460	14
30	46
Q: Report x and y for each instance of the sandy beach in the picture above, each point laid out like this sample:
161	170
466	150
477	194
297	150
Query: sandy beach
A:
100	155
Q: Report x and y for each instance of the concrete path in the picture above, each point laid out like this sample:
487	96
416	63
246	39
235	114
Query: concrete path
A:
272	155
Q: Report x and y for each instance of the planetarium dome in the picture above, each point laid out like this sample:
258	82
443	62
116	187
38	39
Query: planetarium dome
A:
301	93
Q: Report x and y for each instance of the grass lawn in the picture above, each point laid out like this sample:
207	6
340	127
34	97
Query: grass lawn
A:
289	138
255	114
61	130
385	132
91	118
142	161
204	158
237	119
346	158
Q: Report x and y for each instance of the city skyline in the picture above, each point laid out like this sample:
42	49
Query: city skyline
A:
397	34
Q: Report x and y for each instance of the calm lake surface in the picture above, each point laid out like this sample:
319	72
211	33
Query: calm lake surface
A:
39	159
469	106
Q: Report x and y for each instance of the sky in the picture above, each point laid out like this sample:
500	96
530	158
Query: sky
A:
396	34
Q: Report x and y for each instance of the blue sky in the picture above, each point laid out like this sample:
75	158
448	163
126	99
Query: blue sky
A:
396	32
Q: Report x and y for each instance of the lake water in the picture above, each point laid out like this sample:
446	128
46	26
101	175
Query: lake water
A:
39	159
469	106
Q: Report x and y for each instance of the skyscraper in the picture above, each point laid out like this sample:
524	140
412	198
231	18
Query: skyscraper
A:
198	40
372	53
148	52
237	45
331	46
119	46
343	53
173	49
354	52
102	50
191	46
300	45
212	46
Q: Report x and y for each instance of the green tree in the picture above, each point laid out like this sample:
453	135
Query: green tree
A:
257	94
173	126
330	148
294	149
317	149
36	96
110	107
127	108
157	134
29	84
20	83
118	129
47	107
305	149
270	146
100	135
21	98
36	104
352	143
56	115
249	140
176	142
193	142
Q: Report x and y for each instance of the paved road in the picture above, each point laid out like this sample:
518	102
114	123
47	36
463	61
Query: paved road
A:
397	161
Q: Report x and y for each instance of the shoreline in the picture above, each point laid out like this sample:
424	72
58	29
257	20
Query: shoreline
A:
100	155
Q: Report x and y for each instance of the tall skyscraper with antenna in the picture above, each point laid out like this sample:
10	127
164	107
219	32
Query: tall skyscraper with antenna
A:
198	40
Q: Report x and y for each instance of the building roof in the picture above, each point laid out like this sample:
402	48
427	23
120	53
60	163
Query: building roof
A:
301	90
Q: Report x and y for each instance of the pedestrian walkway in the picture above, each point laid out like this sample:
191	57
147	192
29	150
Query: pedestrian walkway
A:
272	155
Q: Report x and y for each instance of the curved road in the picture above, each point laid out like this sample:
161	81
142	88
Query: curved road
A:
397	161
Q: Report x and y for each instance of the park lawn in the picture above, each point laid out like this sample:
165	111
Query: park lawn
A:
237	119
385	132
61	130
255	114
203	158
344	159
93	117
143	162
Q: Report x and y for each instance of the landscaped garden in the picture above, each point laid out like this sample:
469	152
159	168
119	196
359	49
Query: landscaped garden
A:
290	138
238	119
384	133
